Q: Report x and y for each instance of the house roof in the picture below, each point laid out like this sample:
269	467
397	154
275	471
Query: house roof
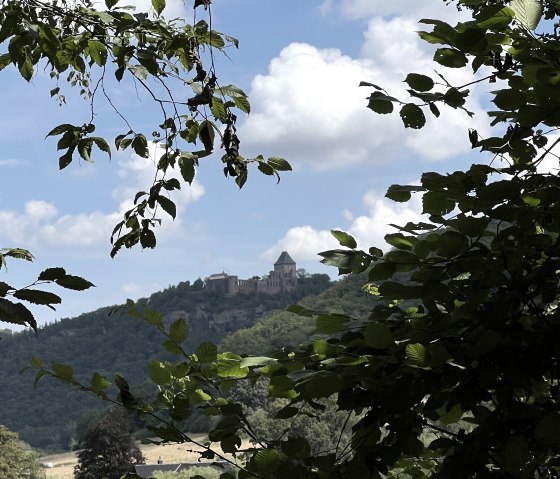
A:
284	259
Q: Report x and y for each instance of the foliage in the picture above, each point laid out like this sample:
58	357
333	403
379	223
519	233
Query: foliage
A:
110	450
17	313
170	62
16	460
455	370
83	47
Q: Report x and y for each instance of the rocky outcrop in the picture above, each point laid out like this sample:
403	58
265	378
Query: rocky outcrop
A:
205	323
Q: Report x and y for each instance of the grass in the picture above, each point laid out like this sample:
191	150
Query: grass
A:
63	464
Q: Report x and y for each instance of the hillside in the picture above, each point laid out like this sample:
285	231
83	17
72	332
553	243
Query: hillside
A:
99	341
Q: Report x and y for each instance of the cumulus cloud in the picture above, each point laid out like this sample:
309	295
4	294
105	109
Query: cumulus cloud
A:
365	9
40	221
309	107
305	242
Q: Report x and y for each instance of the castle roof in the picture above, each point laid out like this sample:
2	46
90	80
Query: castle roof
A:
284	259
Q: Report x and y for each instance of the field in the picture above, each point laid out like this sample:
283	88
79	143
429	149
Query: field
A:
63	464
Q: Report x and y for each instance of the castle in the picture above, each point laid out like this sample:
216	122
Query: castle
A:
282	279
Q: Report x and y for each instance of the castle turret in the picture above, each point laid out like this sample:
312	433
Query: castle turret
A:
285	266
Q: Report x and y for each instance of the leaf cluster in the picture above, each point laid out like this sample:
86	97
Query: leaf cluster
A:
18	313
172	62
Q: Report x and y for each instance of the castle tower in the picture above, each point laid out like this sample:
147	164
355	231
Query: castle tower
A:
285	266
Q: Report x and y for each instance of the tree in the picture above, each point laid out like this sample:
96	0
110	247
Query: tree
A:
82	46
456	370
16	460
110	450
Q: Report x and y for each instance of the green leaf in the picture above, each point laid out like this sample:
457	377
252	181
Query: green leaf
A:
37	297
494	17
140	145
412	116
398	240
139	71
381	103
206	135
25	65
378	336
437	203
450	57
102	144
297	447
266	169
266	461
323	385
434	109
76	283
416	353
344	239
97	52
450	416
19	253
531	200
16	313
329	324
58	130
527	12
159	373
5	60
167	205
179	332
99	383
242	102
286	412
158	6
187	162
279	164
257	361
64	372
229	365
510	99
419	82
206	352
402	193
218	109
4	288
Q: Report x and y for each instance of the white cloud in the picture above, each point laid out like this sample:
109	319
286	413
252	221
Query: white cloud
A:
309	108
305	242
173	8
365	9
40	209
11	162
41	221
136	290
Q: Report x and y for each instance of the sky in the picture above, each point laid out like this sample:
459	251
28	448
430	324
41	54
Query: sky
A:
301	63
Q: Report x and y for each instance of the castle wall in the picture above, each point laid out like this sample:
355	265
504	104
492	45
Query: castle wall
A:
281	280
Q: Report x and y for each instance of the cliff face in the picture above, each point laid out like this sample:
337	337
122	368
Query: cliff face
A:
203	323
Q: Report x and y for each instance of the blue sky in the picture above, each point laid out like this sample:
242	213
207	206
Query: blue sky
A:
301	63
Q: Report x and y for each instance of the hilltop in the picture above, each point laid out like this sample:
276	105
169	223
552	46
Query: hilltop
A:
109	341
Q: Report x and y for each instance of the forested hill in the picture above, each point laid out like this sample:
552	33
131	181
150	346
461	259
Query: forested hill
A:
99	341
